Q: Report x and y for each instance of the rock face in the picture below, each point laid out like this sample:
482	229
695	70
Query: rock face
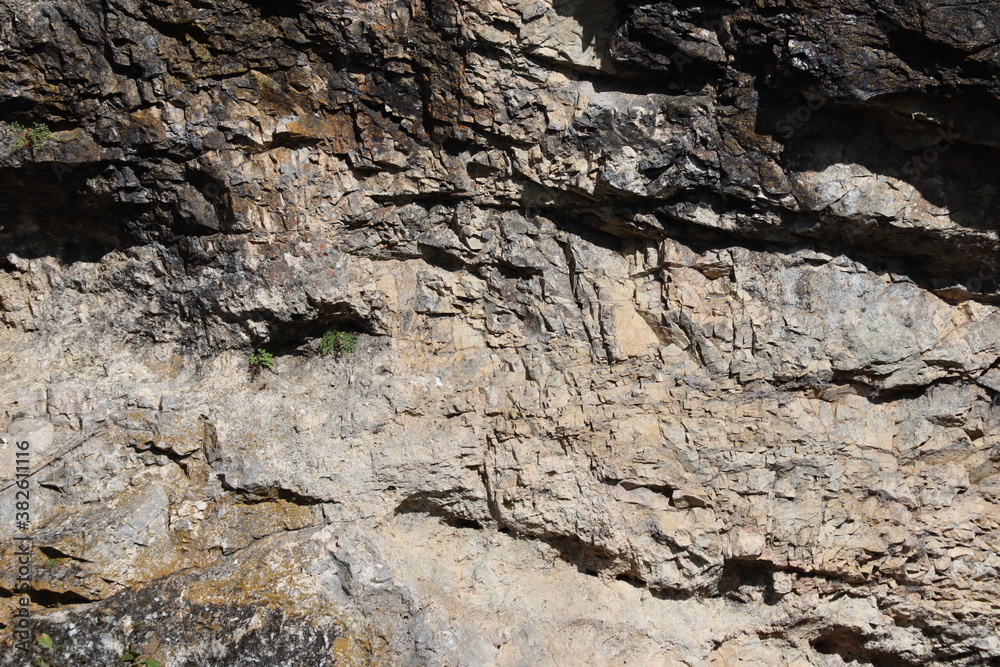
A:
678	331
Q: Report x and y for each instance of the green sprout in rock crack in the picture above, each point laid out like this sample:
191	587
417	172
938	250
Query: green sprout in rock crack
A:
133	656
37	136
261	359
32	137
18	128
341	342
46	643
51	563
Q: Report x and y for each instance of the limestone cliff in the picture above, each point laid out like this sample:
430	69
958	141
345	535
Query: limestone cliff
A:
678	331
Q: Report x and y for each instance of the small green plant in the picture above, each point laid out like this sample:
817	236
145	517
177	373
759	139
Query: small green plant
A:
348	342
133	656
20	415
51	563
16	128
340	342
92	183
32	137
37	136
46	643
137	623
262	359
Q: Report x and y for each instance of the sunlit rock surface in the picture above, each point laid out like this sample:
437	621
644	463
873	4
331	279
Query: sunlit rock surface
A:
678	332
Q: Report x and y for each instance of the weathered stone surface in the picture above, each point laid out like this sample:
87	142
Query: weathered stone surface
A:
678	335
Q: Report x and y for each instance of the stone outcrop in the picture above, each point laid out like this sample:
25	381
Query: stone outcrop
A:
679	336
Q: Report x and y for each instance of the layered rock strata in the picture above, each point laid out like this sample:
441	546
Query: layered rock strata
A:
678	331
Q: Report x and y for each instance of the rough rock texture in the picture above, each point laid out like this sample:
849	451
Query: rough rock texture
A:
679	331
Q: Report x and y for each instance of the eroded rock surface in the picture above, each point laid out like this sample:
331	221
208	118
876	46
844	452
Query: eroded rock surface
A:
678	331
